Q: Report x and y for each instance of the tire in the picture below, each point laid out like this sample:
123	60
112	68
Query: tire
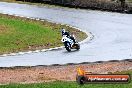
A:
67	46
77	46
80	80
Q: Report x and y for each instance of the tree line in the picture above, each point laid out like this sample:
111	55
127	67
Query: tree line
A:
96	4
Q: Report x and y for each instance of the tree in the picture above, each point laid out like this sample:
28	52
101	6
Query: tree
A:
122	4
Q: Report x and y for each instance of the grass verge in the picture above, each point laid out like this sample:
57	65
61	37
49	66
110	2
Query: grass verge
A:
22	34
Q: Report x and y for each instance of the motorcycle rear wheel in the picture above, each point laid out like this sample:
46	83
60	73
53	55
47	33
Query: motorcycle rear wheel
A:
77	46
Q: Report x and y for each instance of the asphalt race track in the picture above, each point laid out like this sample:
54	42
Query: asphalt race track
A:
112	35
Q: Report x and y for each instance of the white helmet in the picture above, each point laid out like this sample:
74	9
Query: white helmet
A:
63	31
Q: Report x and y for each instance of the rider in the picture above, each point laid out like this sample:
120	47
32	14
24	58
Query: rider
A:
64	32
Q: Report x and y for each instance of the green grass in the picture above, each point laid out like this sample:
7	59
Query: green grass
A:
130	1
62	84
21	34
124	72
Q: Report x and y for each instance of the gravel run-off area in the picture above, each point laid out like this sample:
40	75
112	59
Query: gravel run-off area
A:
53	73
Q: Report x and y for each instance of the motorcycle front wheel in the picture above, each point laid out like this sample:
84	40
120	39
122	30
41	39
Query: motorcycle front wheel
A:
67	46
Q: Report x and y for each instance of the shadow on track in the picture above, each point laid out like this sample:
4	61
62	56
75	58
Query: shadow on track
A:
73	51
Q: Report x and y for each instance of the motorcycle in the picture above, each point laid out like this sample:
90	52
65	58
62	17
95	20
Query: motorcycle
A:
69	43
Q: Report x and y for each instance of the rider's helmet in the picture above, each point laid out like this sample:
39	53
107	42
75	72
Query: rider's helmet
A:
63	31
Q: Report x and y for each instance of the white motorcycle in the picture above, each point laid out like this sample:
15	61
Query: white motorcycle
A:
69	44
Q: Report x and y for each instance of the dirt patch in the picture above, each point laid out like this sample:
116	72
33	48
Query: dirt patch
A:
52	73
3	29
